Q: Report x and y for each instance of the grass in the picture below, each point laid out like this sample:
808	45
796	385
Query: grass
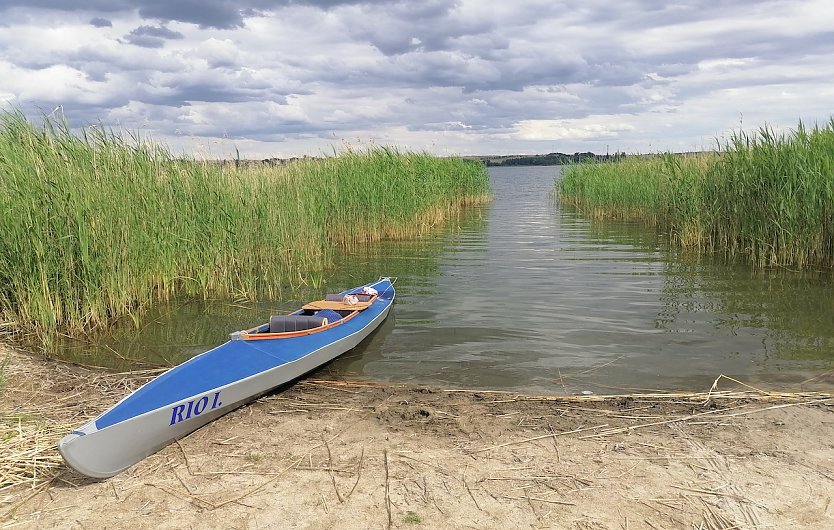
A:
3	365
255	457
95	226
767	197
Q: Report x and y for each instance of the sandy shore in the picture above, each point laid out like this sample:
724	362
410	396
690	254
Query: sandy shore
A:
338	454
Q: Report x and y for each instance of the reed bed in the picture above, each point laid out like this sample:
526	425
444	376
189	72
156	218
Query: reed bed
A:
766	197
95	226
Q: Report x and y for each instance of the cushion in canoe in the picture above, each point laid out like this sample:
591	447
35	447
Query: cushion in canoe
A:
285	323
329	314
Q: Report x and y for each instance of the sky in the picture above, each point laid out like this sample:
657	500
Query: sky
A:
284	78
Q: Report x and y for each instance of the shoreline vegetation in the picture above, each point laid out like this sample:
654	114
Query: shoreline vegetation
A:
764	197
96	226
548	159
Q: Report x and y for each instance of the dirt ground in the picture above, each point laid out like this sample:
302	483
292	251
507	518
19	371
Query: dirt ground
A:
341	454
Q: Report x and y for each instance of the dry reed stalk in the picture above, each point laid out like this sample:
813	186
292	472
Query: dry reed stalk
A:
358	473
330	470
665	397
46	401
551	501
27	446
257	488
387	489
442	470
681	419
534	438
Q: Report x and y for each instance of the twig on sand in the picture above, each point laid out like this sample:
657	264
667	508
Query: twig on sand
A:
188	497
387	490
473	497
717	414
650	524
716	521
470	491
203	503
258	488
537	499
543	436
442	470
207	504
37	490
358	473
715	492
185	457
330	469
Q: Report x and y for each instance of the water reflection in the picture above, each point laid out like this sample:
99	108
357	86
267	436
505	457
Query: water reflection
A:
171	333
523	295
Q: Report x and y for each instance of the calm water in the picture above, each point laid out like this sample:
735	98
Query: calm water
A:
523	295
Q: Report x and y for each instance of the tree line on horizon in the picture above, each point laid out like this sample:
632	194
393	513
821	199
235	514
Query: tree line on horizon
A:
549	159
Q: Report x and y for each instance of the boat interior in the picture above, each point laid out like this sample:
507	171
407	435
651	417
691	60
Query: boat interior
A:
312	316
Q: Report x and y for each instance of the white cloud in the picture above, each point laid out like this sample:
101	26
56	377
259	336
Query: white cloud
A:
590	128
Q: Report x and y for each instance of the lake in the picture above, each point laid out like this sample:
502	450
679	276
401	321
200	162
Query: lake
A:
524	295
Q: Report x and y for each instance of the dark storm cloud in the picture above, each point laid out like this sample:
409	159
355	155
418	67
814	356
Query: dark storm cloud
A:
106	6
151	36
405	27
101	22
220	14
157	31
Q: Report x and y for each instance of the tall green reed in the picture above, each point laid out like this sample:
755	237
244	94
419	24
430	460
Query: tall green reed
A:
764	196
94	226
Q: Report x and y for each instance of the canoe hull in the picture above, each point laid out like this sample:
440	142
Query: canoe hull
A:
104	452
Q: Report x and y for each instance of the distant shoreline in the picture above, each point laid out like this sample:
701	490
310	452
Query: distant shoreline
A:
549	159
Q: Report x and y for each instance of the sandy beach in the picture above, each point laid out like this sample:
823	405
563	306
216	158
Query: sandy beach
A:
351	454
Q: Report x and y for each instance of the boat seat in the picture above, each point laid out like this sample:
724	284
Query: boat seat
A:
286	323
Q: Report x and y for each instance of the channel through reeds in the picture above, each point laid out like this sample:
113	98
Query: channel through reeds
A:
96	225
766	197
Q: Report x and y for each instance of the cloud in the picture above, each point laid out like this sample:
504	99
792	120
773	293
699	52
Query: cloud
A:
152	36
218	14
221	14
473	76
100	22
589	128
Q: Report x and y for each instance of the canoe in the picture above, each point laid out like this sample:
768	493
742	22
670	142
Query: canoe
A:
200	390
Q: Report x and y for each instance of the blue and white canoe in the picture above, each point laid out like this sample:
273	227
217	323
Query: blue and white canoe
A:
213	383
